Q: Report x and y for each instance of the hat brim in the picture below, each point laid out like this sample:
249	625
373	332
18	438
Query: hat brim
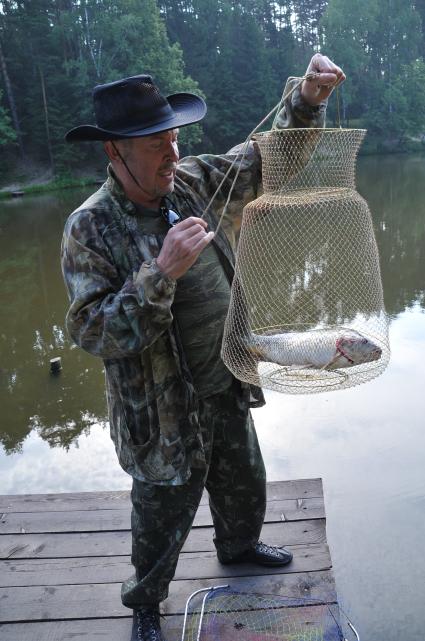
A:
188	108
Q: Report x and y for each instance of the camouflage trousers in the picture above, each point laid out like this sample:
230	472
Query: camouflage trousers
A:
162	516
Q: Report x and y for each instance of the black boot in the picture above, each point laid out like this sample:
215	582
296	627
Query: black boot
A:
261	554
146	625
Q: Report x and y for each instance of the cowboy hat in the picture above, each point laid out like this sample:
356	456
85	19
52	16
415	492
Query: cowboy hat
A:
134	107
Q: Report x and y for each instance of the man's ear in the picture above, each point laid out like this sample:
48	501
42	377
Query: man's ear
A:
110	151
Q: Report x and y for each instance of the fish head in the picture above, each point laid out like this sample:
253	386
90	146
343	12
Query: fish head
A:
358	348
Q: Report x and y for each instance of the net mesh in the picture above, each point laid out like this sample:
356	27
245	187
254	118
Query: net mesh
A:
225	615
307	311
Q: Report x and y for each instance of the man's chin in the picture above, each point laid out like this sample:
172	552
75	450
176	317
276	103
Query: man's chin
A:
169	189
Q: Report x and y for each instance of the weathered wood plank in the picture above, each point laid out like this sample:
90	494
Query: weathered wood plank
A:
102	629
295	489
77	544
77	630
286	624
278	490
191	565
84	630
103	600
115	520
111	629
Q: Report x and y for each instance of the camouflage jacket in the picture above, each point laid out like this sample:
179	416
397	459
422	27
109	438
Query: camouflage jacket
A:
120	306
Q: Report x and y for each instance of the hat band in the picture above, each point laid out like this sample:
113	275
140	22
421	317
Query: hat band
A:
162	114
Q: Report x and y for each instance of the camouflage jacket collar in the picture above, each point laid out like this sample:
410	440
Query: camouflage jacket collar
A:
118	193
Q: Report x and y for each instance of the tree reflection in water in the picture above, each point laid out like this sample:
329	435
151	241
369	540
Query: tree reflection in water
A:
32	311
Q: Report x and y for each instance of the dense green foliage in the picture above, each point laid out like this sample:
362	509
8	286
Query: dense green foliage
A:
238	53
7	134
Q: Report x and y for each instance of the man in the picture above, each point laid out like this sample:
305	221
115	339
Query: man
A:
149	285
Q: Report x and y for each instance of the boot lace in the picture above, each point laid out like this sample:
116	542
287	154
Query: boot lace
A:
268	549
148	625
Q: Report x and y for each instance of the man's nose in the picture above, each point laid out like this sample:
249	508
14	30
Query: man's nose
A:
173	151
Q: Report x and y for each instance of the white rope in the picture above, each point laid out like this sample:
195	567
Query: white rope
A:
245	145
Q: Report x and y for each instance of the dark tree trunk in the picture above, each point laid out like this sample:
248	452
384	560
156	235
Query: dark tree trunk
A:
12	103
46	119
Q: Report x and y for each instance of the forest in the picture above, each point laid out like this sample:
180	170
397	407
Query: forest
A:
235	53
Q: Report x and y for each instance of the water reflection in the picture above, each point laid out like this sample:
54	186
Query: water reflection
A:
395	190
41	469
32	310
367	443
33	300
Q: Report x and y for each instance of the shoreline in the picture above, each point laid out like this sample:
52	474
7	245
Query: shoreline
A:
17	190
53	185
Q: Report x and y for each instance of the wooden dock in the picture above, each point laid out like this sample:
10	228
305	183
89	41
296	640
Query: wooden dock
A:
63	558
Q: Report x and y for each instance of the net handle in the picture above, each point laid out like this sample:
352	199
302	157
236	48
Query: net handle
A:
352	628
186	610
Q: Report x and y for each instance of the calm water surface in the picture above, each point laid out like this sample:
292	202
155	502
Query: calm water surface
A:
367	443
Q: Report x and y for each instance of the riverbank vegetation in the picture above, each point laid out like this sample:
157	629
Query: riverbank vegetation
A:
236	53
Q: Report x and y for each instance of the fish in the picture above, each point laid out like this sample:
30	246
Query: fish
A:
326	349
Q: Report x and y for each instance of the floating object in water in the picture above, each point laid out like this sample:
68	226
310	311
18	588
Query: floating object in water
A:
55	365
331	349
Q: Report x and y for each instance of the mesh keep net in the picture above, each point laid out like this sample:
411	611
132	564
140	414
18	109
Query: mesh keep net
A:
223	614
307	311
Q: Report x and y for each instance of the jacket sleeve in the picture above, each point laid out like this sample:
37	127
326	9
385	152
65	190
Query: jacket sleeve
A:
106	317
296	112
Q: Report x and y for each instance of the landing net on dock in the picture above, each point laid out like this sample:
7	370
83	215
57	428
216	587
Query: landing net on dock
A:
223	614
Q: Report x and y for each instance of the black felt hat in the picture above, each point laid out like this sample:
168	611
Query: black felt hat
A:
134	107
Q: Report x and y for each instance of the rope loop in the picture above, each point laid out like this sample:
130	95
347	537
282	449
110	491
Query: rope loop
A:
245	145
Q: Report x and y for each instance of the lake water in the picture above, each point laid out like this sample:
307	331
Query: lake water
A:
367	443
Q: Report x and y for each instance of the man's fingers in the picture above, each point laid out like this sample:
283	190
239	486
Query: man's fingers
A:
327	73
189	245
326	79
203	242
341	78
186	223
188	232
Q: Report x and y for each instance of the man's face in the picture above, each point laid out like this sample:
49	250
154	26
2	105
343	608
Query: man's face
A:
153	161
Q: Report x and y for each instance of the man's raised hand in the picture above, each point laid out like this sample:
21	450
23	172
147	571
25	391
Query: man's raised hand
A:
182	246
328	76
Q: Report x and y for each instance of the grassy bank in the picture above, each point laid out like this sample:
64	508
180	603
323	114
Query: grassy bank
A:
52	185
374	146
371	146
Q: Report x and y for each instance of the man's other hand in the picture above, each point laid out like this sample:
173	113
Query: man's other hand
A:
182	246
328	77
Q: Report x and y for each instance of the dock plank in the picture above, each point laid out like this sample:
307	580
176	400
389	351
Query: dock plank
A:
277	490
116	520
77	544
196	565
80	630
102	600
110	629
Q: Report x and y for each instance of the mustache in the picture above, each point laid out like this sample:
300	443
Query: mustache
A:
168	166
